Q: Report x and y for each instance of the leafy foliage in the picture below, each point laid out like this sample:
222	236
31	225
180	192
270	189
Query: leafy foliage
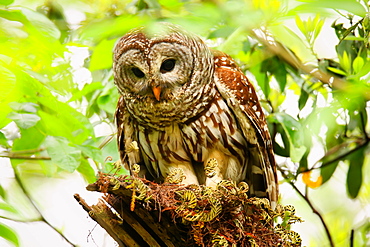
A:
52	101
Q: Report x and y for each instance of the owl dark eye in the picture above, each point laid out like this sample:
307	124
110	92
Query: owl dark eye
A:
137	72
167	65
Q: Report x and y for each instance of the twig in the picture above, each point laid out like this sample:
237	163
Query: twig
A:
362	144
352	238
29	151
19	220
22	154
42	218
23	157
106	140
314	210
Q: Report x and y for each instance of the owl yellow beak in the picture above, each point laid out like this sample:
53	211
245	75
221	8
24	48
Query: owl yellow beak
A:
157	92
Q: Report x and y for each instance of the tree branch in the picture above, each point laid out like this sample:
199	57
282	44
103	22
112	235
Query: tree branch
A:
362	142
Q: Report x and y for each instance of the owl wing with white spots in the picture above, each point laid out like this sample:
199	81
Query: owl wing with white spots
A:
241	98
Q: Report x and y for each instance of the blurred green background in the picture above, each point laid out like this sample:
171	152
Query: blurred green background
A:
309	61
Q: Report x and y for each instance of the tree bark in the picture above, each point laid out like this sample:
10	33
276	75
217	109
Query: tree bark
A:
140	227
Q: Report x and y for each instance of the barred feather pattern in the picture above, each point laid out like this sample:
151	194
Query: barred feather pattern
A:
213	114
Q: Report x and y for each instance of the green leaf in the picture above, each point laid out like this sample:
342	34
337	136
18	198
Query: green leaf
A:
364	70
279	150
234	42
313	6
276	98
293	130
337	71
13	15
262	79
345	61
7	207
102	57
302	99
45	26
318	26
328	170
281	75
2	192
358	63
33	21
64	155
303	163
25	120
354	175
222	32
3	142
9	92
6	2
354	38
88	88
57	118
91	152
67	123
300	24
274	66
8	82
8	234
87	171
110	28
173	5
24	106
107	100
30	138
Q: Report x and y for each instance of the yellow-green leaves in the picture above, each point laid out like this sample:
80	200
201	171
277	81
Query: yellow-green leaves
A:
310	28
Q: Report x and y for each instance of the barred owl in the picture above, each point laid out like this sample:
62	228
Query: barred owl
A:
186	105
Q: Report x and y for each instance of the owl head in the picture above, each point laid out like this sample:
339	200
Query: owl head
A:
162	72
